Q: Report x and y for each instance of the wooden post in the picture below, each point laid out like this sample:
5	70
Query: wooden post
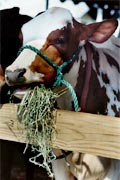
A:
76	131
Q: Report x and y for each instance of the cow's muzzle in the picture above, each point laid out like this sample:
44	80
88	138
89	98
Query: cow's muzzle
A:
15	77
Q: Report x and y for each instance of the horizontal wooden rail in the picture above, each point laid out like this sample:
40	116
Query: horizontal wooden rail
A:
76	131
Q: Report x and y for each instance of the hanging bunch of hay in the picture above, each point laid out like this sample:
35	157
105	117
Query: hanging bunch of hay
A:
35	112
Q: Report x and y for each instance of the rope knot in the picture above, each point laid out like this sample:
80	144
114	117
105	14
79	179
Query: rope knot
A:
59	78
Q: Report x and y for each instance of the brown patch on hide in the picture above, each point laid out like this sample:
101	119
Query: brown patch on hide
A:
39	65
105	78
117	45
97	97
112	61
96	59
66	40
117	95
117	112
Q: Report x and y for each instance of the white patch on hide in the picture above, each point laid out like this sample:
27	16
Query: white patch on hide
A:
42	25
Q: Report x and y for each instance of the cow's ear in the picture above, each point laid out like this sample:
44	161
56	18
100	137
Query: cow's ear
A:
101	31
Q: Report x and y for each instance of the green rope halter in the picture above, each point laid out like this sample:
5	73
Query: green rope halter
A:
59	74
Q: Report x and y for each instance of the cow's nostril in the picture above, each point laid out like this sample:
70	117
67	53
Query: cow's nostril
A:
15	77
21	72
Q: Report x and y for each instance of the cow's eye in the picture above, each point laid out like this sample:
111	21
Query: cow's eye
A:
60	41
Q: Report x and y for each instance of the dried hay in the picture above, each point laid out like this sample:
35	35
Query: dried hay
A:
36	113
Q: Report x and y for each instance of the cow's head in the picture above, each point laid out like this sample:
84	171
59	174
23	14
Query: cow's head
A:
57	34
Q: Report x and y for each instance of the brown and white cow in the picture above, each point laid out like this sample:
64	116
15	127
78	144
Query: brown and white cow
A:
94	75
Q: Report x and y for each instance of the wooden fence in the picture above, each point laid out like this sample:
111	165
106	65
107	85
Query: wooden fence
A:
76	131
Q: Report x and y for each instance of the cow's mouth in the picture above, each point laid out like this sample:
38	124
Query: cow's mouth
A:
21	90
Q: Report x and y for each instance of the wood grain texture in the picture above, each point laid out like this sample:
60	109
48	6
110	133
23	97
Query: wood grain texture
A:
76	131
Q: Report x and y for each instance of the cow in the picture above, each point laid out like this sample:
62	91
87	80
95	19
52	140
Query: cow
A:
89	57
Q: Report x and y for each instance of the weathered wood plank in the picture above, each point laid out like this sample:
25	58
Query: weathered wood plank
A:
84	132
10	128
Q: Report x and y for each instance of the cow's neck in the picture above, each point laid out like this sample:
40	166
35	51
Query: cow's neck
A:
94	95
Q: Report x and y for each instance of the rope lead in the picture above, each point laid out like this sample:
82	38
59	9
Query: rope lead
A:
75	100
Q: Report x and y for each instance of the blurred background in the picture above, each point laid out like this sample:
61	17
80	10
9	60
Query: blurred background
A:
85	11
109	8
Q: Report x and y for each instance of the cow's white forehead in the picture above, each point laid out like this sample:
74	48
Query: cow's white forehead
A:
42	25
